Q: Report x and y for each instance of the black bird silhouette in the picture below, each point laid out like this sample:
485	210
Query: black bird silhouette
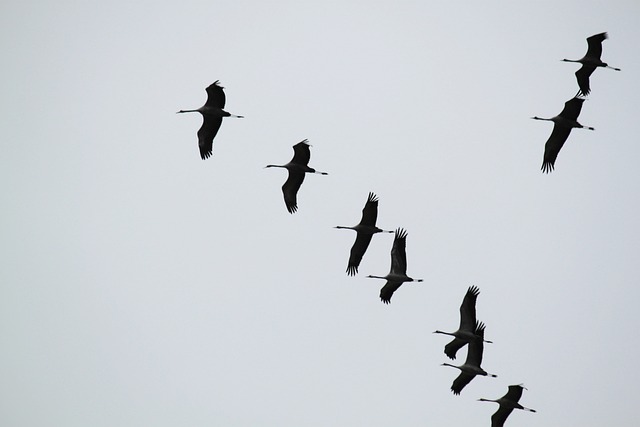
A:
212	114
471	366
507	403
297	168
398	274
562	125
365	229
468	324
590	61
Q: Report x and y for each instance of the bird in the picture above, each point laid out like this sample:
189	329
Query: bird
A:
365	229
212	114
398	274
471	366
590	61
562	125
507	403
297	168
468	324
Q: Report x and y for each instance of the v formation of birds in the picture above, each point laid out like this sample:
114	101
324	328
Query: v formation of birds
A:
470	332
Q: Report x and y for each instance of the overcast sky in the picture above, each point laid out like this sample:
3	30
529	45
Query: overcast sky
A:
142	286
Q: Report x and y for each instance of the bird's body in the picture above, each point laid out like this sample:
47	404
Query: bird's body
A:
562	125
365	229
398	274
590	61
212	114
507	403
471	367
468	324
297	167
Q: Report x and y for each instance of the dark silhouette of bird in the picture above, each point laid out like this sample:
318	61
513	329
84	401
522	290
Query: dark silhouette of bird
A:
507	403
212	114
562	125
471	366
468	324
297	168
590	61
398	274
365	229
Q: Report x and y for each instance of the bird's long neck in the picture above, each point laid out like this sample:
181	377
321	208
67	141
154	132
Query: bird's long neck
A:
453	366
444	333
541	118
570	60
376	277
275	166
344	228
237	117
188	111
487	400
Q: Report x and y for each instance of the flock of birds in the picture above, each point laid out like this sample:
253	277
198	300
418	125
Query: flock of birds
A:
470	331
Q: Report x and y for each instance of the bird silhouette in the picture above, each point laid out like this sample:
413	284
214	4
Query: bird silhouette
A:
398	274
507	403
365	229
297	168
471	367
590	61
562	125
468	324
212	114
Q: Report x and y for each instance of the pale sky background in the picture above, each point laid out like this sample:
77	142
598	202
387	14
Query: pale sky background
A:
142	286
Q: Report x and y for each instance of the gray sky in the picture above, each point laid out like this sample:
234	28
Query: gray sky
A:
142	286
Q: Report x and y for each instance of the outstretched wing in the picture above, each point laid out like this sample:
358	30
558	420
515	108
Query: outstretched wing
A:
370	211
301	153
357	252
452	348
468	309
553	145
572	108
290	190
500	416
476	346
461	381
514	394
582	76
398	252
594	49
207	132
387	291
215	95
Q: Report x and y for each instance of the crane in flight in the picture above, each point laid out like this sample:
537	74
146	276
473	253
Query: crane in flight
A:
590	61
471	367
562	125
468	324
212	114
297	168
398	274
365	230
507	403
